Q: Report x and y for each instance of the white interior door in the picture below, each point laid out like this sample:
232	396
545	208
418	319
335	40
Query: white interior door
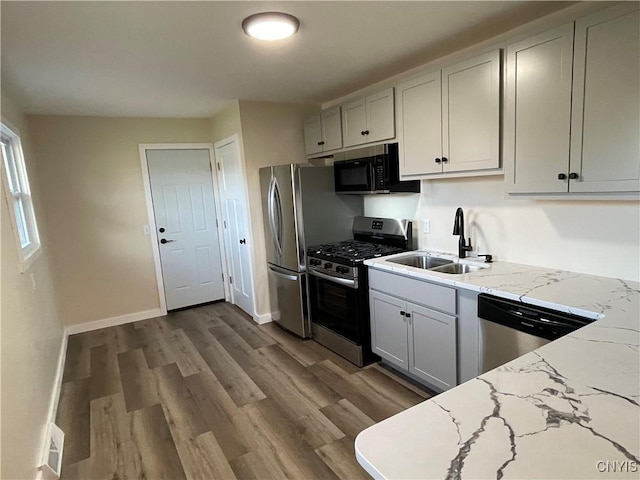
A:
235	213
185	218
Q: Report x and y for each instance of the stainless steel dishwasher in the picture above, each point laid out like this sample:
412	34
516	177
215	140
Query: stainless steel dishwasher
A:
509	329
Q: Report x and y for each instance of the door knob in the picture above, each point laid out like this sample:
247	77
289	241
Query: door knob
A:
164	240
243	241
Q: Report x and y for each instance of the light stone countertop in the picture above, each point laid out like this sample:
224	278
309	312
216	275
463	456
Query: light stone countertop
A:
562	411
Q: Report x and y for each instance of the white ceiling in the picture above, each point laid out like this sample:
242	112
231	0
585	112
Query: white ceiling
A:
189	59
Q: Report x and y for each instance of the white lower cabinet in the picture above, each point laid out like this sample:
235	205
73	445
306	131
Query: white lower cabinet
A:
389	331
432	346
415	337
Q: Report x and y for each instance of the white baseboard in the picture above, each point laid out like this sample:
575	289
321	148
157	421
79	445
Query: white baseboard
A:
53	401
113	321
262	319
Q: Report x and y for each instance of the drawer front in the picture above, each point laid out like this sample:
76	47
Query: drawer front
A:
421	292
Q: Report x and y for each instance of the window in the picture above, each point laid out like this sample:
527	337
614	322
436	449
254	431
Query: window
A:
16	187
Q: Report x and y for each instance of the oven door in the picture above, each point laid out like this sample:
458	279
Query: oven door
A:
354	176
336	305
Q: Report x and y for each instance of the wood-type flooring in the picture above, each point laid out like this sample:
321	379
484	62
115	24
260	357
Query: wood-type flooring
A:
208	394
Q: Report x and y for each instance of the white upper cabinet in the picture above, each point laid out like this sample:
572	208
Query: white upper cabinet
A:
572	119
538	111
449	120
331	129
312	135
420	125
369	119
471	114
323	132
605	126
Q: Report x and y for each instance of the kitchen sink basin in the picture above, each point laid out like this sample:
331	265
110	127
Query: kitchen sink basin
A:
457	268
425	262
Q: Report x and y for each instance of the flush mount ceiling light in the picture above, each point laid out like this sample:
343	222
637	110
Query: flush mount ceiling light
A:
270	25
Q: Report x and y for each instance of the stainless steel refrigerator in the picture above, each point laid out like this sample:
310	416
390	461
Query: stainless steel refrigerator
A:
300	209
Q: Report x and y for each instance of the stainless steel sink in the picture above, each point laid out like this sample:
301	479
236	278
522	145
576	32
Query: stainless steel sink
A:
425	262
457	268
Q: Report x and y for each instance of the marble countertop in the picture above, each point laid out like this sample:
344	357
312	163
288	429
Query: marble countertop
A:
570	409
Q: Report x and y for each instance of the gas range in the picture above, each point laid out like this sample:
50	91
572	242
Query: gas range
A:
351	252
338	284
342	259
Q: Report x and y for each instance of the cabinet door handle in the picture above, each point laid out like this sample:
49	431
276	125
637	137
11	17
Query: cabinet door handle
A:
362	133
408	315
366	132
445	159
402	313
562	176
574	176
438	160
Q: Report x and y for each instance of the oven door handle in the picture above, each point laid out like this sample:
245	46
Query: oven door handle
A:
341	281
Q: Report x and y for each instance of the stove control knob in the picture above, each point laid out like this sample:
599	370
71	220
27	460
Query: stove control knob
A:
342	270
314	262
327	265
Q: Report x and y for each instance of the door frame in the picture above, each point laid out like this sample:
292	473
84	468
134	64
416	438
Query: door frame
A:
153	230
245	193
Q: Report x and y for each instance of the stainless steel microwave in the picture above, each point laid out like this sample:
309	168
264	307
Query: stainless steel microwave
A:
373	169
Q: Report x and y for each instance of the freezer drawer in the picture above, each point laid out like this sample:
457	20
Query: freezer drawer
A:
288	295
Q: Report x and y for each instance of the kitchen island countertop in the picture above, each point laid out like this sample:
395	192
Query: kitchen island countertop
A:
570	409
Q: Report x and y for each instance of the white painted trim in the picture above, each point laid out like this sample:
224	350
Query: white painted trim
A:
262	319
153	230
113	321
238	141
53	401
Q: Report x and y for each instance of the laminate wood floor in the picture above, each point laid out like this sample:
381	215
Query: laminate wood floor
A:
207	394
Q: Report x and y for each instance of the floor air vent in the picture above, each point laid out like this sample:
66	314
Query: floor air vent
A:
52	463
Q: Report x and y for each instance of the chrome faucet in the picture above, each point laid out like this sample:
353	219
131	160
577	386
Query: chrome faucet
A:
458	229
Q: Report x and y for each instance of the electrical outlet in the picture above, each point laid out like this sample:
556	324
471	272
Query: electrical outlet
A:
426	226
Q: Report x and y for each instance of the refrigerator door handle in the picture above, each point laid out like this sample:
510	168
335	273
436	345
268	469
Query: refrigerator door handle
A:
277	213
282	273
272	221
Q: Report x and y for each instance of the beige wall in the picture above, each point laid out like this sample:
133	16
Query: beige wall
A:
272	135
595	237
95	209
30	331
226	122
